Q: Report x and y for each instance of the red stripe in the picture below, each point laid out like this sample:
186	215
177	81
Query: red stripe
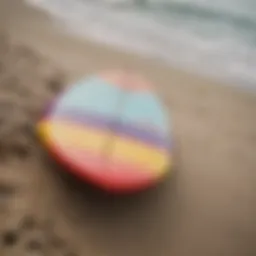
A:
112	176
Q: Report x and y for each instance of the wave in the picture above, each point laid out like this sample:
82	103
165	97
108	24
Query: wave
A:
217	38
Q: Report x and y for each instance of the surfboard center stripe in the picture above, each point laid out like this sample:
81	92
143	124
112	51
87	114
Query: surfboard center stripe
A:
143	134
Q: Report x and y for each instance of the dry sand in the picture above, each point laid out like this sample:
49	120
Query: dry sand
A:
208	206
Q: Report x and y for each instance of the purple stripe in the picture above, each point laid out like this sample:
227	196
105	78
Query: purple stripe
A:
112	124
84	119
141	134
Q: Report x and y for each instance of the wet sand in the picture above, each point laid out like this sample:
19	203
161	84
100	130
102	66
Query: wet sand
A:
207	207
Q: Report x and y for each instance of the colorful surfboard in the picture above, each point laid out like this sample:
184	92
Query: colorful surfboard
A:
111	130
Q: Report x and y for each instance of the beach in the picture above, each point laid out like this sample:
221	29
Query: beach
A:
207	206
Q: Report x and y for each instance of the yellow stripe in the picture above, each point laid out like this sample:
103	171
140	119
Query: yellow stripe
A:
138	153
63	133
67	134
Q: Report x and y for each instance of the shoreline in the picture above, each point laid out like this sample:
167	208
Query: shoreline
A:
42	33
198	68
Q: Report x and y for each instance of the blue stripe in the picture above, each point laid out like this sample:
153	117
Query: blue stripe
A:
145	107
92	95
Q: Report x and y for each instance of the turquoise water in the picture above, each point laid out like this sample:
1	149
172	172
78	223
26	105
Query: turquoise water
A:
215	38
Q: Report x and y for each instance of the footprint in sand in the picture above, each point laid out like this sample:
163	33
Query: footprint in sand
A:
33	238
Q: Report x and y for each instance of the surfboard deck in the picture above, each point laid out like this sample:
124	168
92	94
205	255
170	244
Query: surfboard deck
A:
110	129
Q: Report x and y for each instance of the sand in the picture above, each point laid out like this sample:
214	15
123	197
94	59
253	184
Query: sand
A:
207	207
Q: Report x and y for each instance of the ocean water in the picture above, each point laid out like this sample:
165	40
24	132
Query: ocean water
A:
211	37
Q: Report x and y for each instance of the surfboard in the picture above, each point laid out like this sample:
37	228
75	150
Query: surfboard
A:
110	129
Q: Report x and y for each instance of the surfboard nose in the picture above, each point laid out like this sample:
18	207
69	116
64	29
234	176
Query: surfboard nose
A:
130	81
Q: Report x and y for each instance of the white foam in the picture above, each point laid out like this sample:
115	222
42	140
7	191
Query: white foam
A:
224	53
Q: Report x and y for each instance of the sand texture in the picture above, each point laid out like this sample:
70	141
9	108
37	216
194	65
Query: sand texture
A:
206	208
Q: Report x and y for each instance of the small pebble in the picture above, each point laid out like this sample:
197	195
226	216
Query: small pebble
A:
10	238
55	84
22	151
28	223
57	242
6	190
34	245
